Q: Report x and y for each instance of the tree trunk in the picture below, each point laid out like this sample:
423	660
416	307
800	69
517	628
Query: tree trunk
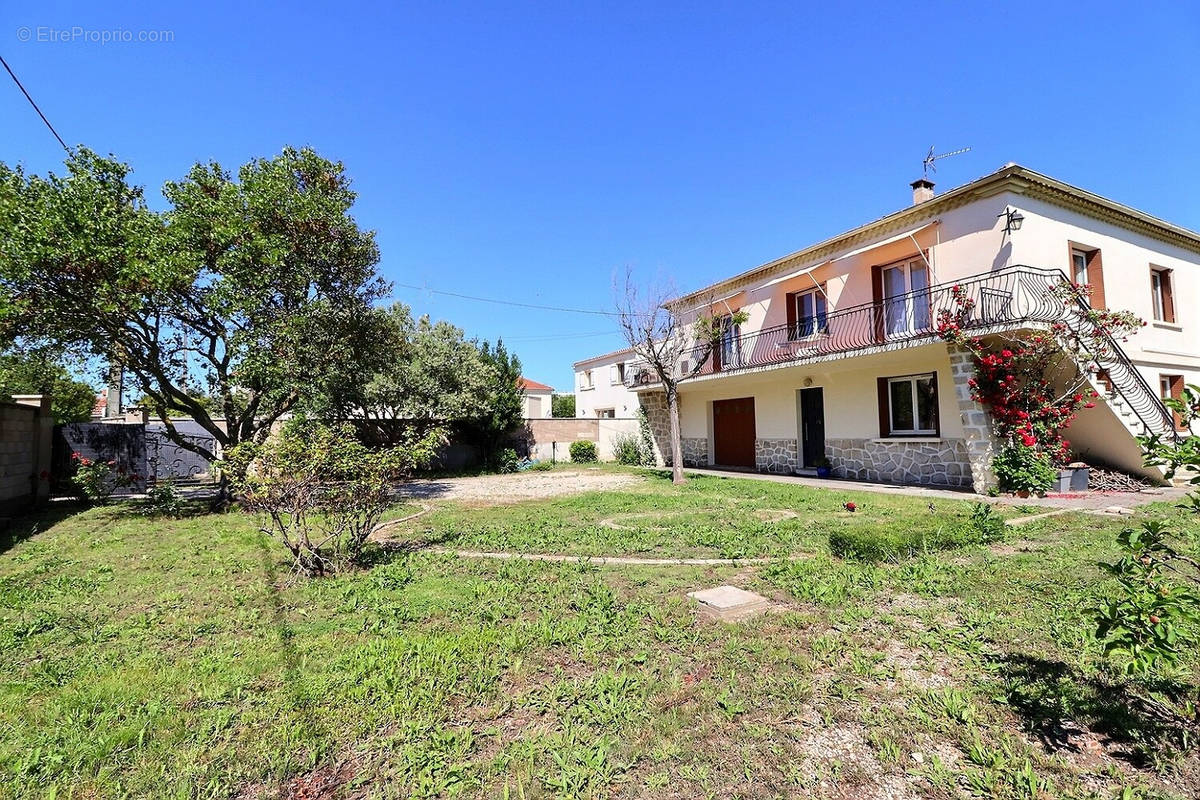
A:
676	443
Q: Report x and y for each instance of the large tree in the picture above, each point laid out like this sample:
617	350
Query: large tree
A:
248	297
72	399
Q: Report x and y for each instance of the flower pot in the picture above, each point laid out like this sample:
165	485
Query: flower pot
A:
1080	476
1063	482
824	472
1023	493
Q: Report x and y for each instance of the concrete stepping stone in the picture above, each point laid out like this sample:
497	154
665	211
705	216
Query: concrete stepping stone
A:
729	603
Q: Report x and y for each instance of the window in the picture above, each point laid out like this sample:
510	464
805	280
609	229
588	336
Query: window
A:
1087	268
908	405
1079	266
1162	294
616	373
585	380
606	413
1171	388
811	314
729	350
906	297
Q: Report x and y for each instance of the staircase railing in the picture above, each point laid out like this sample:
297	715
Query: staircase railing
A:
1125	378
998	300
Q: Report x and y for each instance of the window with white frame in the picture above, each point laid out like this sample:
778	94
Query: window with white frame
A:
1079	266
908	405
906	297
811	313
616	373
585	379
1162	294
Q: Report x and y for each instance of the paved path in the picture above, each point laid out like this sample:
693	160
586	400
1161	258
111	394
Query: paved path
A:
1089	501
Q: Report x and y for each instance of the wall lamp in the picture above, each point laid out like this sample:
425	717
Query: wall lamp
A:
1012	219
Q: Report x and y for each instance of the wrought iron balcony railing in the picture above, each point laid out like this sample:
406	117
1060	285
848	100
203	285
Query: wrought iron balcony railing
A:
1005	299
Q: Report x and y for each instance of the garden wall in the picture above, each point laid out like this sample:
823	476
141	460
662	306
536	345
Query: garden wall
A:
551	438
26	428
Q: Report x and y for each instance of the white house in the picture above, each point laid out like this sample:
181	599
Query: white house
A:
839	358
538	399
600	386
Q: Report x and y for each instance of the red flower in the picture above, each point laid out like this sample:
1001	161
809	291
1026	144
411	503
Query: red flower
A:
1028	440
1006	353
850	506
1089	405
74	456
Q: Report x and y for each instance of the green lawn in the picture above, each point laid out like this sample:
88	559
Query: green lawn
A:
176	658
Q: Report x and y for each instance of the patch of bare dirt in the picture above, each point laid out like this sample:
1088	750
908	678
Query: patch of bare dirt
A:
518	487
323	783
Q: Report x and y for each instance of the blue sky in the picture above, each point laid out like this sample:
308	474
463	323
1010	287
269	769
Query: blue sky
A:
526	151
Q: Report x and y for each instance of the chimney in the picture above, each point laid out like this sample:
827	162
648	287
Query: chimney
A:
922	190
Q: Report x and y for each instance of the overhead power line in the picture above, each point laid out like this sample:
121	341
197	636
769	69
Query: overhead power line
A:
17	81
511	302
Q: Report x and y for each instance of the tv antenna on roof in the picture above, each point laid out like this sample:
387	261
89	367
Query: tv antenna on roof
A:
930	158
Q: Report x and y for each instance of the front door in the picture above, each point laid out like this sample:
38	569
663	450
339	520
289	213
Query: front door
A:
733	432
812	426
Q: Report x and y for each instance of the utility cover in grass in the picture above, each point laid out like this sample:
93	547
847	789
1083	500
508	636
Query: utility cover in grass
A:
729	603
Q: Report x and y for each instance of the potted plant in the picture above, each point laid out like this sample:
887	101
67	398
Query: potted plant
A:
824	467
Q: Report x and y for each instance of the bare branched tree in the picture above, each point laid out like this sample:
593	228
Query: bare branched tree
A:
676	343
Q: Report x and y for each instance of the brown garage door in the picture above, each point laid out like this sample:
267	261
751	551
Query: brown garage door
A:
733	432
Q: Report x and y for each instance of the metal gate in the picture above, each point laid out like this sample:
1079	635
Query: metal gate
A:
140	449
167	459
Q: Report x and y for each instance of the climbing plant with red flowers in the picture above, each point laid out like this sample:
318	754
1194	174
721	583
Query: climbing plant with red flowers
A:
1034	385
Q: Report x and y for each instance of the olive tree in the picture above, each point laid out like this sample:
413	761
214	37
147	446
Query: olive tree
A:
248	297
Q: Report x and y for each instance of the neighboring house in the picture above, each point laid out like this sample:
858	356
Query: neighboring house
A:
600	386
538	398
838	358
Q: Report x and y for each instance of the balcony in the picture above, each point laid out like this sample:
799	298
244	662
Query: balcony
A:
1004	299
1007	299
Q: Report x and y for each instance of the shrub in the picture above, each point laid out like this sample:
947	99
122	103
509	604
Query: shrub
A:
583	452
1023	469
163	500
627	449
321	490
542	466
507	461
647	438
97	480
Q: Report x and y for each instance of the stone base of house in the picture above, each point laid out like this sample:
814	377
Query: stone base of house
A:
780	456
695	451
942	463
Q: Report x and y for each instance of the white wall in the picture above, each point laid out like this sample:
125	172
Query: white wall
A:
851	395
607	390
1159	348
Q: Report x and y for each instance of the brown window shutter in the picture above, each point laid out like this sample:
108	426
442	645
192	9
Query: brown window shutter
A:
1168	291
885	422
877	299
1177	394
1095	270
790	299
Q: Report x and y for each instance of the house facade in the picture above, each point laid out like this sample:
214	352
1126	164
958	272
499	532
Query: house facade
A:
538	399
838	358
601	391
